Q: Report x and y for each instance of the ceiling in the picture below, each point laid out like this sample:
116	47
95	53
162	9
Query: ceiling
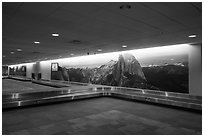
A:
86	27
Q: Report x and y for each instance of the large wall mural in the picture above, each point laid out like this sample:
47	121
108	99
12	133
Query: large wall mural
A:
4	70
165	71
17	70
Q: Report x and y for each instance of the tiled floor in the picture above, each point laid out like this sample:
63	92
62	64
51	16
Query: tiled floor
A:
101	116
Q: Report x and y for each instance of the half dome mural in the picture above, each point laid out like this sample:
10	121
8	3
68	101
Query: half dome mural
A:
127	71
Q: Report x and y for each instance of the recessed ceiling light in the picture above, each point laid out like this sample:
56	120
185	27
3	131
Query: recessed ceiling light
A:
4	56
19	50
192	36
12	52
124	46
37	42
45	58
72	54
60	56
55	34
99	50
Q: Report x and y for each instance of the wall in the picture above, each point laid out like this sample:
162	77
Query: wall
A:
195	70
4	70
45	70
194	58
39	67
29	70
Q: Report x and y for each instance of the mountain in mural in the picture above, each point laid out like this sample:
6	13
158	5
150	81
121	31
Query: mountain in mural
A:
104	74
128	69
125	72
169	77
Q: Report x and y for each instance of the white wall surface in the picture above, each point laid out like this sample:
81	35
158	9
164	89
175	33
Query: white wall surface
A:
195	70
29	70
45	70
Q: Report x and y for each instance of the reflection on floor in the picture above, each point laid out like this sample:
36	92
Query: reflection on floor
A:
15	86
101	116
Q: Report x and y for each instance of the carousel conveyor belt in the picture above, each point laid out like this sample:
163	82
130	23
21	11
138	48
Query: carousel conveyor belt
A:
15	100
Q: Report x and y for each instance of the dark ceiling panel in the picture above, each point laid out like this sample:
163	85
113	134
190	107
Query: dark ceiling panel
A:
95	25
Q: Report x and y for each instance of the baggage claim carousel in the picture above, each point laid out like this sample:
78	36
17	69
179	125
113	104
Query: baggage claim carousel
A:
48	93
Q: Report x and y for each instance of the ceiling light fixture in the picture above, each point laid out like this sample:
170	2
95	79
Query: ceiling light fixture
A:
19	50
37	42
4	56
99	50
124	46
192	36
55	34
72	54
12	52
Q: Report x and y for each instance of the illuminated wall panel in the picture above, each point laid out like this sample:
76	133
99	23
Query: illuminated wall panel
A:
195	71
161	68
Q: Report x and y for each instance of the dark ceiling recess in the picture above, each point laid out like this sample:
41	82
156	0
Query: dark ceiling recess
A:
75	41
125	7
19	57
36	52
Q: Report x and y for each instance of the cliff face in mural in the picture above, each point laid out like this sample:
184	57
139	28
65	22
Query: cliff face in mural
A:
127	72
